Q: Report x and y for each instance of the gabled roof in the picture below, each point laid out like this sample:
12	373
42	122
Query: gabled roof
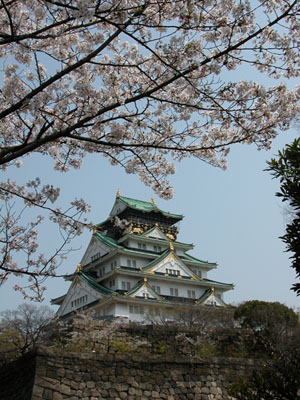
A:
169	254
209	293
89	285
96	286
145	206
109	241
159	234
145	287
151	239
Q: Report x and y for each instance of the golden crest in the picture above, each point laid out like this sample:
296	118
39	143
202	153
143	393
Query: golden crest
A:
137	230
170	236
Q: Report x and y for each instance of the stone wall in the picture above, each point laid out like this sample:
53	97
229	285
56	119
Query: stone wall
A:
92	361
93	377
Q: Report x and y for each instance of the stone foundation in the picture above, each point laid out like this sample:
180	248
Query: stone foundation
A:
92	377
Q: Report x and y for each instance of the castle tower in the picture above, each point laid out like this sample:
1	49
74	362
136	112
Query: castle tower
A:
135	267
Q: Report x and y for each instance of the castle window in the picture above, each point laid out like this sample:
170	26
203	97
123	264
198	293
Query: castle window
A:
136	310
78	302
191	294
157	289
131	263
101	271
125	285
173	291
146	295
95	257
172	271
197	272
111	283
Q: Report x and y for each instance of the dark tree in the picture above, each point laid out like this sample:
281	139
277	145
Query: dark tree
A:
275	334
286	168
27	323
270	322
276	378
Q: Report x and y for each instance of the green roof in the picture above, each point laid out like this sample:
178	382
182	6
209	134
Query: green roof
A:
109	241
206	295
188	257
213	283
94	285
145	206
156	260
135	288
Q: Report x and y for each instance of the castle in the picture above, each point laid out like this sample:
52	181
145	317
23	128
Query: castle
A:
134	268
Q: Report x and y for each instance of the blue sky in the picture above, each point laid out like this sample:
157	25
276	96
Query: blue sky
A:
232	217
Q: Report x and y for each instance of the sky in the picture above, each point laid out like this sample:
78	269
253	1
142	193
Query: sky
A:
232	217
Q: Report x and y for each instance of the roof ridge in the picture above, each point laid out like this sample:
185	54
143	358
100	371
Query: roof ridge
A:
149	206
131	198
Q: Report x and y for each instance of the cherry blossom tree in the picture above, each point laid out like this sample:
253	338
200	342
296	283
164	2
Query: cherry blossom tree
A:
144	84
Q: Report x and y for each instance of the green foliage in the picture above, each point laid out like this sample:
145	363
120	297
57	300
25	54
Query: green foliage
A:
161	347
119	346
275	333
265	316
206	350
286	168
9	343
276	379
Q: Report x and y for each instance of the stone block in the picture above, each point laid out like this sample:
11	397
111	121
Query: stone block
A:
48	394
123	395
57	396
155	395
213	390
107	384
38	391
60	372
205	390
131	391
94	392
64	389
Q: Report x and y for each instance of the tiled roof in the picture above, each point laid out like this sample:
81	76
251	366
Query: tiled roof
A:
109	241
188	257
94	285
145	206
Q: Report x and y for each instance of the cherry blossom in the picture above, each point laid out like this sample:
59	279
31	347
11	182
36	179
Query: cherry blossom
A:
145	84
